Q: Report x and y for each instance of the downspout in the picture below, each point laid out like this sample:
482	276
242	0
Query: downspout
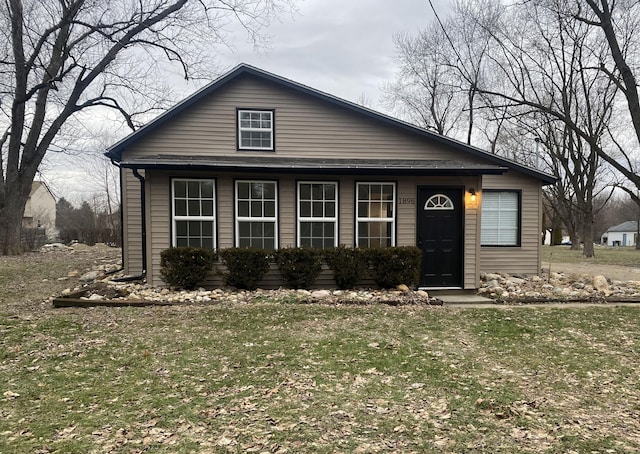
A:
143	211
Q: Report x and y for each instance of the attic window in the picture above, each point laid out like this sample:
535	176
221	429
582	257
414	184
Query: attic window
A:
255	130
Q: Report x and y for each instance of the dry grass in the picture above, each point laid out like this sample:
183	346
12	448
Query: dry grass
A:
273	377
621	256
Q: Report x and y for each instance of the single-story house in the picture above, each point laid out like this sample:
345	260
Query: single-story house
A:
625	234
40	210
255	159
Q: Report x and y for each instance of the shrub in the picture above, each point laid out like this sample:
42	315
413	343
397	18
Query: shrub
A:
185	267
299	266
392	266
245	266
349	265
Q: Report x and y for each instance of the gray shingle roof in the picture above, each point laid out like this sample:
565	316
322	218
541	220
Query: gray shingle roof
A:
628	226
315	165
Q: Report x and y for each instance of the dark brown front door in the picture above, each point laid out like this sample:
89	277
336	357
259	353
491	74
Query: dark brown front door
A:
439	235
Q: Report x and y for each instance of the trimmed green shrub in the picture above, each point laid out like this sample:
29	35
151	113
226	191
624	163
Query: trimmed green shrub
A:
185	267
299	266
245	266
392	266
349	265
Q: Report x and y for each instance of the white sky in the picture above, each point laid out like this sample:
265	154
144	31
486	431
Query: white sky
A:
342	47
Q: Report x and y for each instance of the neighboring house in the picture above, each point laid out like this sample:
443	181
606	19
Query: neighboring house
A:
40	210
254	159
625	234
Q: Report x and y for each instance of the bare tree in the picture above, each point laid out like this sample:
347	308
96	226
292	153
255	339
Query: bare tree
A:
619	22
440	70
549	62
61	57
425	91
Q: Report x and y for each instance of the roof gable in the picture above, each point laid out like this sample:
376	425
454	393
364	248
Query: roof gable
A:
115	151
35	187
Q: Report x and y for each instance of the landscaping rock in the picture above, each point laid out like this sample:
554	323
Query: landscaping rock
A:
555	287
402	288
90	276
600	284
55	247
492	284
320	294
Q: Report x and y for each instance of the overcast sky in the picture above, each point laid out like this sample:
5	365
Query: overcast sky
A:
342	47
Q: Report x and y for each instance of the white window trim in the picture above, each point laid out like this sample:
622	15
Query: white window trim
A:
273	219
249	129
174	217
333	219
391	219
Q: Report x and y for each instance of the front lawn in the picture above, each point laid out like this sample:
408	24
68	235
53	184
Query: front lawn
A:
312	378
604	255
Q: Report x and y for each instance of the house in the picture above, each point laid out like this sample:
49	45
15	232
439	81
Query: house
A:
254	159
625	234
40	210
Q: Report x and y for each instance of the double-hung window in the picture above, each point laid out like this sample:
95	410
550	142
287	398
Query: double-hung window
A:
256	214
375	214
500	224
317	214
193	213
255	130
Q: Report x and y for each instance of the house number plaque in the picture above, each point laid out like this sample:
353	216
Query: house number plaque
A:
407	200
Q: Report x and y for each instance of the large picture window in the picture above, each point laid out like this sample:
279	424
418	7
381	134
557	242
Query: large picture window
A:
193	213
375	214
256	214
500	218
317	214
255	130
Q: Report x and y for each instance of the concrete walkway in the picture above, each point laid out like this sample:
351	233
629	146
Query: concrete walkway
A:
473	300
462	298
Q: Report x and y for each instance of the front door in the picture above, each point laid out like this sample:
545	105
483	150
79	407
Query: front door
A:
439	235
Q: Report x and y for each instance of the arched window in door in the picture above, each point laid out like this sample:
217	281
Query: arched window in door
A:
438	202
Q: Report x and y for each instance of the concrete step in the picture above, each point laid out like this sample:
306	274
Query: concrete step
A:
459	297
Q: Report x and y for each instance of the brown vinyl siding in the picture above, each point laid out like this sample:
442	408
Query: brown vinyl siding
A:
159	225
346	212
305	127
132	222
523	259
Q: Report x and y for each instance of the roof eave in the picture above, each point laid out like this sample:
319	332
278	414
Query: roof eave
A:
345	170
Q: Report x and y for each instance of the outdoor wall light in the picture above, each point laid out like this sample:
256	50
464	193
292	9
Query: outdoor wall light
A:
472	193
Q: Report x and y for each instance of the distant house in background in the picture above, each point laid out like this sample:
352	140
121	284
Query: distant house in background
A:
625	234
40	210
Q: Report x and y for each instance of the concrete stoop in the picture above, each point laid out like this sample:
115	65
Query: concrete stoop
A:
449	297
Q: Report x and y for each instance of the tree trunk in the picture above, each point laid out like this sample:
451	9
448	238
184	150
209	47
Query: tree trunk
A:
11	225
556	230
588	250
575	240
587	230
